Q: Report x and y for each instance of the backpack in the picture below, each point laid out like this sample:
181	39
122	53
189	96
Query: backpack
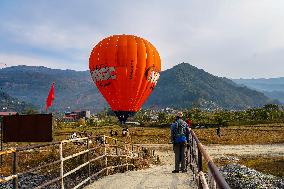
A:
180	135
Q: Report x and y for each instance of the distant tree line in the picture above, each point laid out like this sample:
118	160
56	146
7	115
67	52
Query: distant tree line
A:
270	113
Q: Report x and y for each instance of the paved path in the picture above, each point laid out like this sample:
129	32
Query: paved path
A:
158	177
161	177
154	177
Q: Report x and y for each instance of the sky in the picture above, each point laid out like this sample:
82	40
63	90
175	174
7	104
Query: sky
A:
227	38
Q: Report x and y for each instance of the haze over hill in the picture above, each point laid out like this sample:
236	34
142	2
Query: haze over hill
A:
272	87
182	86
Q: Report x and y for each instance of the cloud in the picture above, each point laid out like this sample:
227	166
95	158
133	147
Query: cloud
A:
226	38
7	60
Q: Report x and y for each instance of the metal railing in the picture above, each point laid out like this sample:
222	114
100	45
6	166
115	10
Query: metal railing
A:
109	147
197	154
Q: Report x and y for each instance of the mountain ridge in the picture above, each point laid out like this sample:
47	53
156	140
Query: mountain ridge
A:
203	87
74	90
271	87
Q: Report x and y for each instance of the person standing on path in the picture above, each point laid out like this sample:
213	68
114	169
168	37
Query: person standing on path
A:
218	132
179	139
188	121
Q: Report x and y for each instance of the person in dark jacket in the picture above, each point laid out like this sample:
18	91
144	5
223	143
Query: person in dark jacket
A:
179	139
218	132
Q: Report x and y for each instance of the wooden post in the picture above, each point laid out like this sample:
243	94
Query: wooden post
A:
116	152
88	158
209	178
126	163
211	181
61	165
14	168
1	140
190	152
132	156
105	153
192	158
199	166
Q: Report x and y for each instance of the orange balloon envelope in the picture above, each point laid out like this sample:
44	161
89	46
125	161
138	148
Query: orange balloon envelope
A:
125	69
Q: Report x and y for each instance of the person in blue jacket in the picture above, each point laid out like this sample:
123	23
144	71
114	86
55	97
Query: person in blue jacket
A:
179	139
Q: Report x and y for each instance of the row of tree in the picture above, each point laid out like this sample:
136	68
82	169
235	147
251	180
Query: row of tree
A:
270	113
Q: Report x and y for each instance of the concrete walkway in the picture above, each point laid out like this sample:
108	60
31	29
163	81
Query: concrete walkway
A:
160	177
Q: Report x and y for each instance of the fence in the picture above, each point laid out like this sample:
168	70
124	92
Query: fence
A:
197	154
103	150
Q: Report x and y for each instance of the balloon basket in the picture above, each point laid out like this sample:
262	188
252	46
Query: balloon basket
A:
123	115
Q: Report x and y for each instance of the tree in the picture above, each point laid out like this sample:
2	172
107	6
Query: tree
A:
162	117
30	111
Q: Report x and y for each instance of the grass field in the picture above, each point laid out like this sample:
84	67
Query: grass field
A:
250	134
233	135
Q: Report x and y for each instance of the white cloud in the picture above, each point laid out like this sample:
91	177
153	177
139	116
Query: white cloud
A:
52	36
227	38
7	60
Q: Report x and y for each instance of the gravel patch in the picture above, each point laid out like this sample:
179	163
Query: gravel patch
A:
239	176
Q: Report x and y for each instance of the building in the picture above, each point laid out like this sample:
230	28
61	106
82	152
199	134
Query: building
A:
2	114
76	115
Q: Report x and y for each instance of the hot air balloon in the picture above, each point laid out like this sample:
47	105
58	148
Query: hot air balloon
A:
125	69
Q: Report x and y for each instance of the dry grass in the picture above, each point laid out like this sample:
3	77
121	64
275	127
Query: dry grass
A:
249	134
237	135
253	134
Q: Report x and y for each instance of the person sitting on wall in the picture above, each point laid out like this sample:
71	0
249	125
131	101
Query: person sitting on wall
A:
73	136
125	132
115	133
99	140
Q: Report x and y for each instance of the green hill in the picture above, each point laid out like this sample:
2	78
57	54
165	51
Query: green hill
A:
73	89
185	86
10	104
182	86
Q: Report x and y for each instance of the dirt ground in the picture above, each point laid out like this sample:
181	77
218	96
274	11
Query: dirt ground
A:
161	176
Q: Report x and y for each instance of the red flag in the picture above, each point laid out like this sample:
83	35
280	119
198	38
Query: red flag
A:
50	97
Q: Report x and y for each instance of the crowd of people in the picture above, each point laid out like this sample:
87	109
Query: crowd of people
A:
124	132
99	139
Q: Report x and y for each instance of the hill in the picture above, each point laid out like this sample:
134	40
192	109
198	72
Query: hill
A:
10	104
73	89
272	87
278	95
185	85
182	86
